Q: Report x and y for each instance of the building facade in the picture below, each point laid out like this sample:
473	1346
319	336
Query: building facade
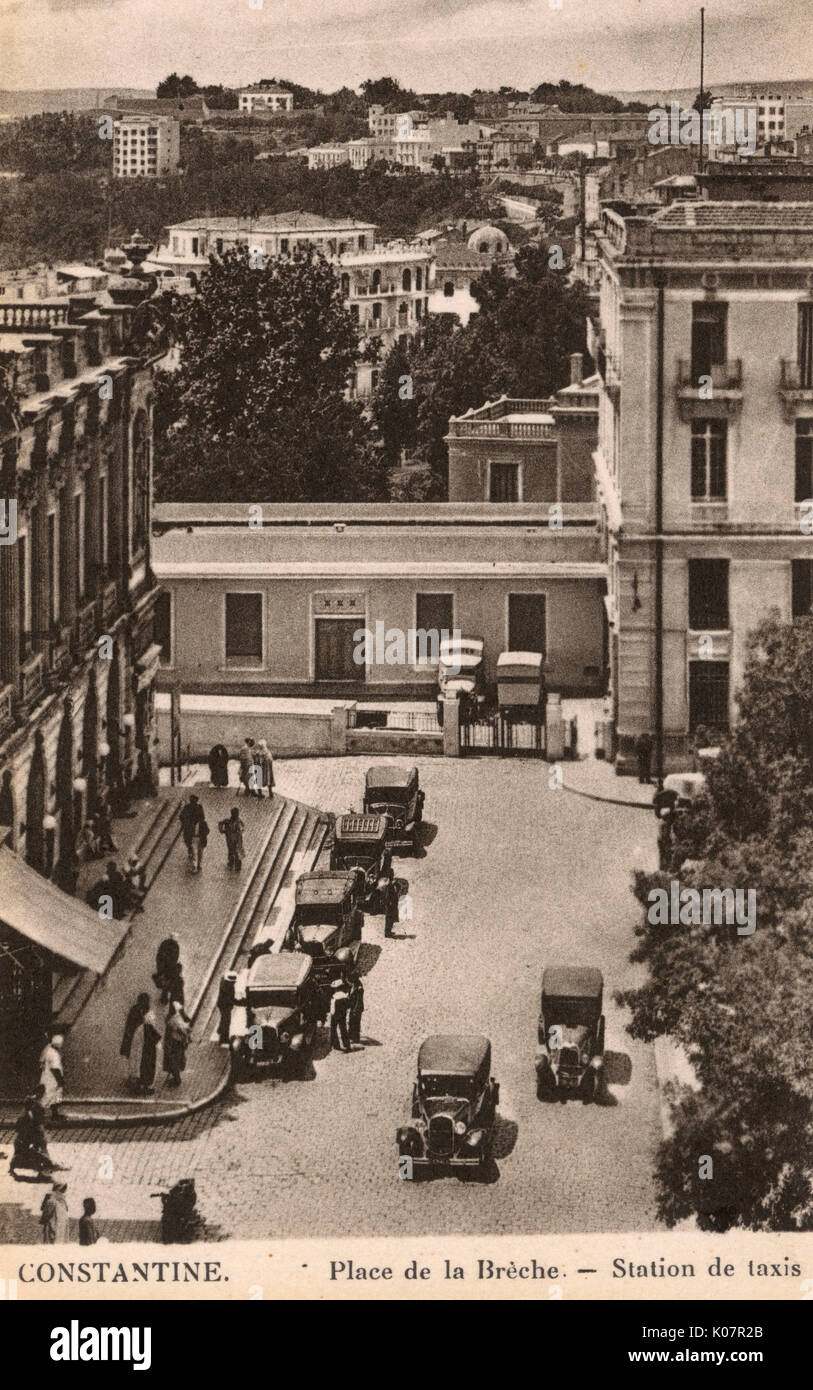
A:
540	451
328	156
705	452
145	147
264	97
387	292
276	609
77	658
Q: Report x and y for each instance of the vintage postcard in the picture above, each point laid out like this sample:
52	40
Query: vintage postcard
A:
406	651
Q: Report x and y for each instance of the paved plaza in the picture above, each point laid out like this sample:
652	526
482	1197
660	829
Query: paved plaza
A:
514	874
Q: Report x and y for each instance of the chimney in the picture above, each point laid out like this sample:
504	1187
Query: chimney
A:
576	369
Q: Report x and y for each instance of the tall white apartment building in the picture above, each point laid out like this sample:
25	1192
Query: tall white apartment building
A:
145	146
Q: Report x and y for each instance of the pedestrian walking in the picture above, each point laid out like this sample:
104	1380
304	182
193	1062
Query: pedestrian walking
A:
643	752
203	839
88	1234
338	1018
89	840
192	818
103	825
135	877
167	963
134	1021
219	765
225	1004
355	1009
233	829
52	1076
54	1215
176	1041
246	759
266	765
30	1144
150	1038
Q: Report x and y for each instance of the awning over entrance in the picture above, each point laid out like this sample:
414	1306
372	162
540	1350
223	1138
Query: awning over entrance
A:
63	925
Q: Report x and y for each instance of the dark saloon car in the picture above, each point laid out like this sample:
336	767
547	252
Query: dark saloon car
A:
454	1104
571	1033
273	1022
360	842
394	792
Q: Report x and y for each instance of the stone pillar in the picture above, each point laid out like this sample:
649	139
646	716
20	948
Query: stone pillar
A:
68	540
451	727
40	598
338	729
554	730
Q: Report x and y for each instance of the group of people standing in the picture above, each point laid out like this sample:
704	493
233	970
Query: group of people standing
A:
141	1025
256	767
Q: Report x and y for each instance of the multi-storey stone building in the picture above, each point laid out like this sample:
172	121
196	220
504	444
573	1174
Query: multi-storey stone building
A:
387	292
77	658
146	147
705	452
266	97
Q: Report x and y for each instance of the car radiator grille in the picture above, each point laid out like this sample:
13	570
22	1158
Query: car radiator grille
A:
441	1134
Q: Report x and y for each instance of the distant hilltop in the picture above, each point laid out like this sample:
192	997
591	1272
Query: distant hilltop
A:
797	87
31	103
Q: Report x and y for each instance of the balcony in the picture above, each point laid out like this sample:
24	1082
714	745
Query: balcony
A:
85	626
795	387
697	397
518	419
32	683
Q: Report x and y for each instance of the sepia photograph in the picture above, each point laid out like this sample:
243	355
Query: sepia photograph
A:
406	650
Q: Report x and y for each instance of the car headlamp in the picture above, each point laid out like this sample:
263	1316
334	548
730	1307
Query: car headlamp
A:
460	1127
285	1037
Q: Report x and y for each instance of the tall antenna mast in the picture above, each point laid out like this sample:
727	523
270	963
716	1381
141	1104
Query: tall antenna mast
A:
702	112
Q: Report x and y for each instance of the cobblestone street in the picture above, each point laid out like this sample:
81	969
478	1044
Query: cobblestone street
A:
316	1156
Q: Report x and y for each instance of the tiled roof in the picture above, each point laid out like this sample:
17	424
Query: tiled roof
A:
457	253
759	216
272	222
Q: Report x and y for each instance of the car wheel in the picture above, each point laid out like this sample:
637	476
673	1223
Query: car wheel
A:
588	1087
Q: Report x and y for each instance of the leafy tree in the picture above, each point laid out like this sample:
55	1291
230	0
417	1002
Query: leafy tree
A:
175	86
386	91
260	413
740	1005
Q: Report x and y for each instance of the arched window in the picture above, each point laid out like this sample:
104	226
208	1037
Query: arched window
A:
345	282
406	280
402	313
418	279
448	288
376	313
376	285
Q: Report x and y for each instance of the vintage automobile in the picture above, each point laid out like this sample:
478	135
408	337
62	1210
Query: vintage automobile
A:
571	1033
327	923
360	842
520	681
276	1007
394	792
680	789
454	1104
461	672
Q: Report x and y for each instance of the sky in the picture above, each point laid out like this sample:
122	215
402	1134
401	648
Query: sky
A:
431	45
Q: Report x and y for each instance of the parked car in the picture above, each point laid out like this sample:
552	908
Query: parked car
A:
680	789
520	681
276	1007
461	672
571	1033
360	842
454	1104
327	924
394	792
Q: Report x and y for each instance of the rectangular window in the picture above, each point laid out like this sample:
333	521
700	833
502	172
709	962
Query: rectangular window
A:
709	439
162	626
244	629
195	244
434	613
527	623
708	595
708	695
801	588
708	337
804	460
805	346
504	482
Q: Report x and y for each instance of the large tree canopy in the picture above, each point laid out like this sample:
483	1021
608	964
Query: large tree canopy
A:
257	410
741	1004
